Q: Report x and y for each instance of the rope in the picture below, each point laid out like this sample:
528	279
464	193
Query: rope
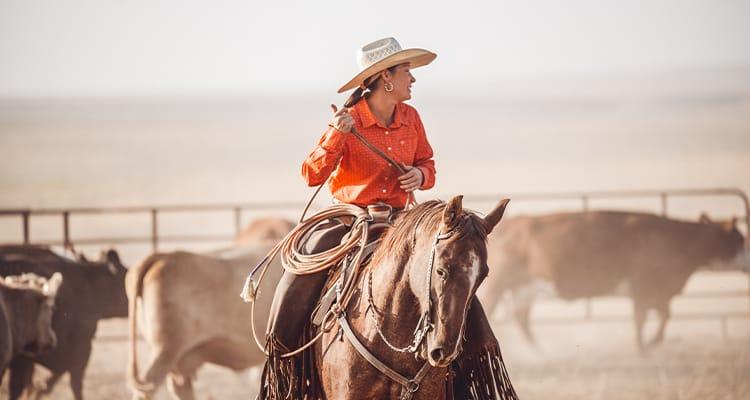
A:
295	262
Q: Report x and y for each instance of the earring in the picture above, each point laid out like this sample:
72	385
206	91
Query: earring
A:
388	87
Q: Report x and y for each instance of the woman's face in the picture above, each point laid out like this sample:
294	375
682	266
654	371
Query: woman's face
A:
401	78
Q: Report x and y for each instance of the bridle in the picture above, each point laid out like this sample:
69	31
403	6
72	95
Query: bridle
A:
409	386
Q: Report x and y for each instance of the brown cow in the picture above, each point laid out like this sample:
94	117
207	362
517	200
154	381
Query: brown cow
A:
590	254
193	314
262	230
26	306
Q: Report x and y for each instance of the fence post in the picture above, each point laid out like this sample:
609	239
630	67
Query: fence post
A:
588	308
663	204
585	203
26	237
154	230
66	230
237	220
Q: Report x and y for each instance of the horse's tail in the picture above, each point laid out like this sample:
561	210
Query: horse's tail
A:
140	271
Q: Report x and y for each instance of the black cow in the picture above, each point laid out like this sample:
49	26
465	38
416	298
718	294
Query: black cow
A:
91	291
26	309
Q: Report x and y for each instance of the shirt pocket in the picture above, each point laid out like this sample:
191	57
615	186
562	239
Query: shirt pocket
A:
407	145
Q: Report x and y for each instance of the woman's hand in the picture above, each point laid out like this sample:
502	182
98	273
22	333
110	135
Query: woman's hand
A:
342	120
412	179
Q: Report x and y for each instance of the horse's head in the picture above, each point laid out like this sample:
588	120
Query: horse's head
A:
449	261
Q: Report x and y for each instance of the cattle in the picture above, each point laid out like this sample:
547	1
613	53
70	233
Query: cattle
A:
92	291
26	308
193	314
594	253
262	230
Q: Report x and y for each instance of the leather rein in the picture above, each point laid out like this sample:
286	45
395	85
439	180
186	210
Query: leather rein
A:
409	386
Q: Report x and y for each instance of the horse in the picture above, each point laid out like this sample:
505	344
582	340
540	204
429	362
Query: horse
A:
424	274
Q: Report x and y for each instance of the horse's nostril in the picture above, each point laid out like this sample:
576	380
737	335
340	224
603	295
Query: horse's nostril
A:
437	355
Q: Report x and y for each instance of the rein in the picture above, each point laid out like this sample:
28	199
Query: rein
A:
424	326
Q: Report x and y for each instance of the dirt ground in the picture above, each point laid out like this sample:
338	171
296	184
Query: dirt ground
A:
686	367
584	360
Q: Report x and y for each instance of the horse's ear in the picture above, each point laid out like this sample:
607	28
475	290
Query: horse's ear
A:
492	219
453	212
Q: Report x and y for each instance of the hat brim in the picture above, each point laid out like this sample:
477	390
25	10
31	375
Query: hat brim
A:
416	57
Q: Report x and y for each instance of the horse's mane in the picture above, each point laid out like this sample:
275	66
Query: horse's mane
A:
397	240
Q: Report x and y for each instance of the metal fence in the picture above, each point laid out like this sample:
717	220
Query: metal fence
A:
154	238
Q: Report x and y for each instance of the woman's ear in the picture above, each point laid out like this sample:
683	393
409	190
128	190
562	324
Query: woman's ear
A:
386	75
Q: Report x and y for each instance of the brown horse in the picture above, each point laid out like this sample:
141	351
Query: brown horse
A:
423	275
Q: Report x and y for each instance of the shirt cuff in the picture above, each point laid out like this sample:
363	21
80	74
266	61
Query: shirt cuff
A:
428	180
334	140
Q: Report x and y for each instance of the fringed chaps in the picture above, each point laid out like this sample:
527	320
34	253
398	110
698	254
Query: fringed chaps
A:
292	378
481	376
479	373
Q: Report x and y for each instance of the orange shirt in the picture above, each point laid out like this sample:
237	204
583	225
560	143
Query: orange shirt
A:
362	177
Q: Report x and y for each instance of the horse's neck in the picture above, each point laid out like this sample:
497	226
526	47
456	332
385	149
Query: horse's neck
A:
397	315
393	297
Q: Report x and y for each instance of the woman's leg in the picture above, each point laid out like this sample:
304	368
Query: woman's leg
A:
480	371
296	295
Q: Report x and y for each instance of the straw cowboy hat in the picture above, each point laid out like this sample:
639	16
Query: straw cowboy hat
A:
382	54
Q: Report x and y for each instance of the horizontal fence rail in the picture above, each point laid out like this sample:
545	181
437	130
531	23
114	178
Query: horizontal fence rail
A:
154	238
586	197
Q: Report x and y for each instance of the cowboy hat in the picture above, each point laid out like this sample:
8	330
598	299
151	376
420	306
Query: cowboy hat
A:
382	54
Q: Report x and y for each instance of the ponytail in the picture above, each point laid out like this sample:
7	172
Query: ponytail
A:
354	98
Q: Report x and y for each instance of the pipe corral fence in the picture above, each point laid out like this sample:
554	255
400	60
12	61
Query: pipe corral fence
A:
155	239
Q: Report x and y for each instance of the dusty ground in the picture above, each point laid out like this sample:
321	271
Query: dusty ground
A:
586	360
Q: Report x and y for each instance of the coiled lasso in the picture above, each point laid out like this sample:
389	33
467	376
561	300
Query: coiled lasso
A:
298	263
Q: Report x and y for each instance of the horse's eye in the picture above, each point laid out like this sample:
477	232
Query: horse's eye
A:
442	273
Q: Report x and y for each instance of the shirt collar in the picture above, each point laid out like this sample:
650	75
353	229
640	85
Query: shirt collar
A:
368	119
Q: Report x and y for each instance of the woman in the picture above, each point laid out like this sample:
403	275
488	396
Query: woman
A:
358	176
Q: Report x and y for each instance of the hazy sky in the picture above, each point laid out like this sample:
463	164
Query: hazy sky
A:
108	47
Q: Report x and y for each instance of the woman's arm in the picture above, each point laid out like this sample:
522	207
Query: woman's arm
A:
325	156
423	157
323	160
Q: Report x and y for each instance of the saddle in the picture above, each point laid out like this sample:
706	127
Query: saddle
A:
382	217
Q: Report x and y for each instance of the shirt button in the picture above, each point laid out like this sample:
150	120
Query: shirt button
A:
402	142
386	178
386	132
384	190
389	149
